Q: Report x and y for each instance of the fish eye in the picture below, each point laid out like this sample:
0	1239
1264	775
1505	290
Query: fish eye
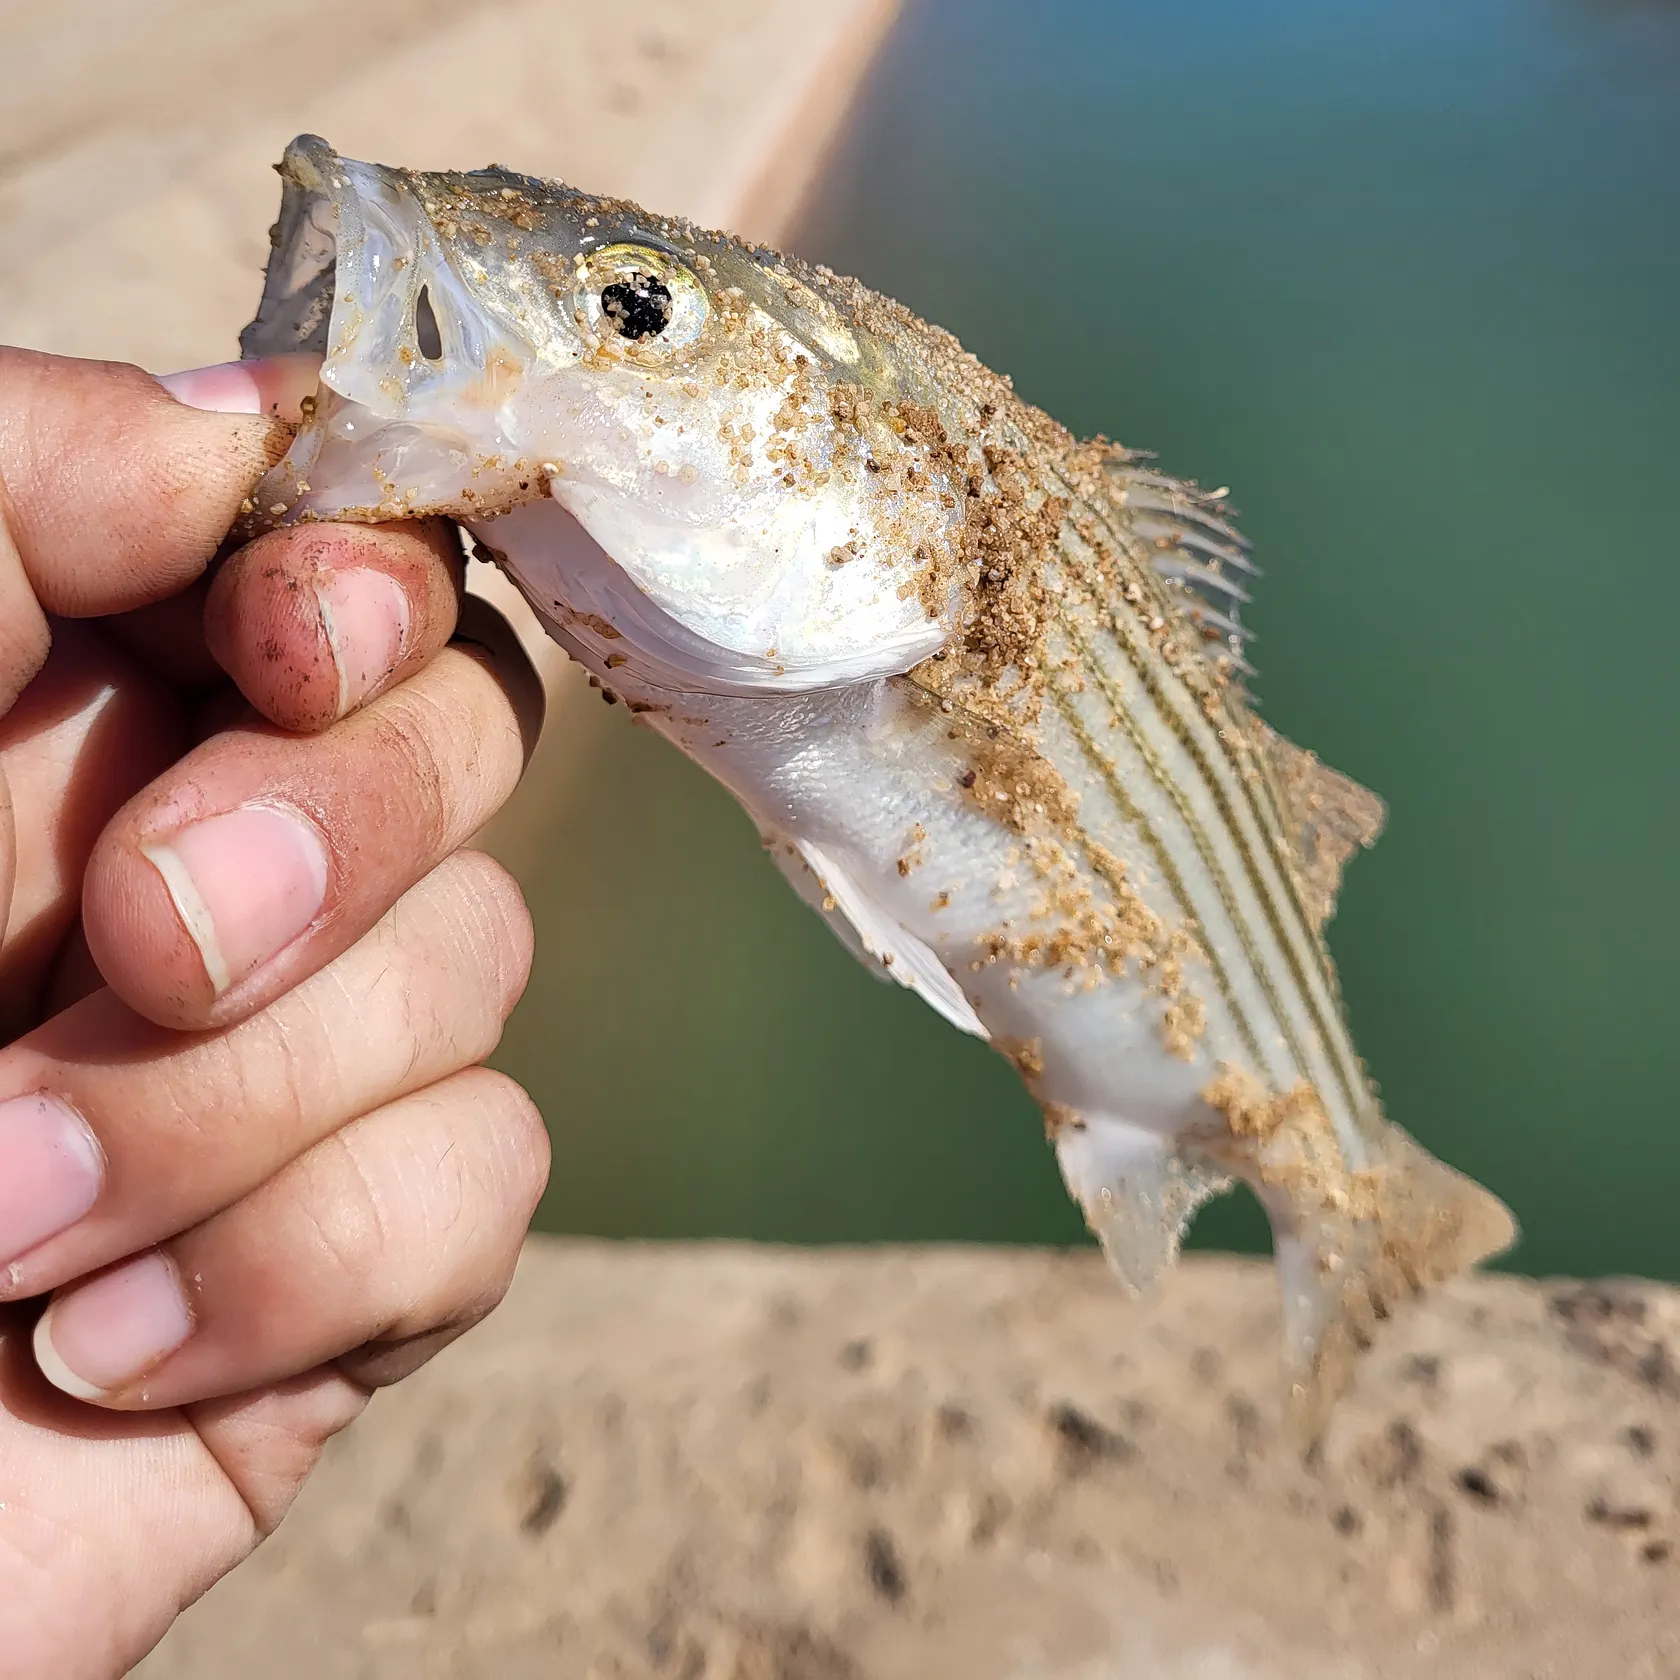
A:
638	306
640	298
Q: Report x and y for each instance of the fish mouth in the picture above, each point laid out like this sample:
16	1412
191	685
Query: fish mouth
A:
422	366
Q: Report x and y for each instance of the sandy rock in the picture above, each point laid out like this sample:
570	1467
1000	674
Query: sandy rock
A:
729	1463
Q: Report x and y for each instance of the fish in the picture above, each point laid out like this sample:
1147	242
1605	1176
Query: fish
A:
982	685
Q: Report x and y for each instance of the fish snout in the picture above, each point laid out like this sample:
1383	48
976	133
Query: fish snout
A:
424	354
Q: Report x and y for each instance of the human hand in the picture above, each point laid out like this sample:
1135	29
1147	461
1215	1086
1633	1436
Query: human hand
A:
243	1140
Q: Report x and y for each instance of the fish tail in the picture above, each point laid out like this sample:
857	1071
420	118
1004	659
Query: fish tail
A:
1347	1256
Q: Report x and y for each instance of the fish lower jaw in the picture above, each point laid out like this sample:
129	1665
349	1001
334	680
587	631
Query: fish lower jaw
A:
351	464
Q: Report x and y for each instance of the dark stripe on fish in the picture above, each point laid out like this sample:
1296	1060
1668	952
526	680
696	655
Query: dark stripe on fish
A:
1335	1049
1217	877
1160	854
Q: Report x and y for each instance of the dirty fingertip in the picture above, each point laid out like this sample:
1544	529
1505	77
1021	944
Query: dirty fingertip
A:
313	621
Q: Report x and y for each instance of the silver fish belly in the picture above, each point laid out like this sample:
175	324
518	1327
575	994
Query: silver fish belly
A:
979	684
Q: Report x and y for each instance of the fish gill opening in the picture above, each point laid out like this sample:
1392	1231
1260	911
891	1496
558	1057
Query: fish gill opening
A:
428	339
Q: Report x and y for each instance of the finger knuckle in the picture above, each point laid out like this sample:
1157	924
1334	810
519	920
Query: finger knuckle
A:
491	1164
508	937
404	744
470	930
523	1136
523	1149
344	1217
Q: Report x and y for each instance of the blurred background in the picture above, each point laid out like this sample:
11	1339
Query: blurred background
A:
1404	273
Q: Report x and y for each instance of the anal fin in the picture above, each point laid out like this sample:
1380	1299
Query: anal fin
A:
1137	1192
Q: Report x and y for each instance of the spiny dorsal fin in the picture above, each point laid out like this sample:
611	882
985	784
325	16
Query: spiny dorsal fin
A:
1330	815
1192	547
1204	560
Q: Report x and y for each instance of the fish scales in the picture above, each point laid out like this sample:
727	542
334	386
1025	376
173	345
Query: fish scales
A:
978	682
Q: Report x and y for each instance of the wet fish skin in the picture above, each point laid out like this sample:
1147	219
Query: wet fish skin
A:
978	682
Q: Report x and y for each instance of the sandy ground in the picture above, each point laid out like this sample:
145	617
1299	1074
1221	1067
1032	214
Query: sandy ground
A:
727	1463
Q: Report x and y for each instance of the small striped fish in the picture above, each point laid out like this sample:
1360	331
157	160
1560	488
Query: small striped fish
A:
980	684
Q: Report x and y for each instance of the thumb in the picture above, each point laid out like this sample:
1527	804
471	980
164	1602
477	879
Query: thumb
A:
112	494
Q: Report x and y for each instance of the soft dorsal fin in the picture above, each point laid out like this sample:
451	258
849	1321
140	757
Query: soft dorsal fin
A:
1330	816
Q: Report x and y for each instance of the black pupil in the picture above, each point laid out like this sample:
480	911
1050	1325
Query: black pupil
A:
638	306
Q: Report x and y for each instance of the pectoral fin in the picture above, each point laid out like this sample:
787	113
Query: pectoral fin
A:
873	935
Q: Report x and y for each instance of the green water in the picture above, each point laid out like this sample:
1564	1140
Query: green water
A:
1404	274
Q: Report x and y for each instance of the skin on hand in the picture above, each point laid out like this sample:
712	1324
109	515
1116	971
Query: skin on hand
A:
249	1167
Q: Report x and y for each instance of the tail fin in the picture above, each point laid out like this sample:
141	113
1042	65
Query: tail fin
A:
1351	1244
1346	1261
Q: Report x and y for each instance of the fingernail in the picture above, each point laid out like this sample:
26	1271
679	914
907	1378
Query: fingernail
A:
246	883
365	616
105	1335
50	1172
227	388
273	385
